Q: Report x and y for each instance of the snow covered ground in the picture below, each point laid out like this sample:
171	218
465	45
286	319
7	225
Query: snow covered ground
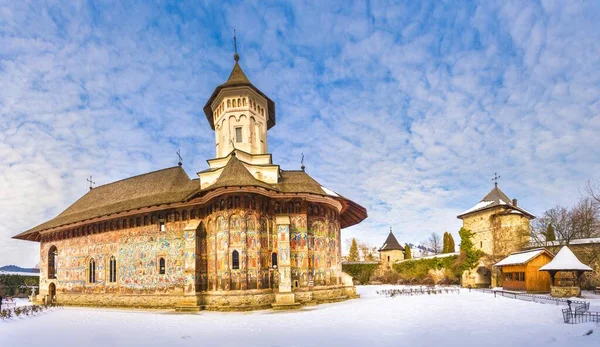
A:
465	319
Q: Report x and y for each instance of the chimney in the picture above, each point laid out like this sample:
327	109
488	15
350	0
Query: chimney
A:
515	202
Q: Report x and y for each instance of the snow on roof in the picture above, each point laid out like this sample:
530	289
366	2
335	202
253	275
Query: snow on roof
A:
480	205
565	260
520	257
19	273
572	242
329	191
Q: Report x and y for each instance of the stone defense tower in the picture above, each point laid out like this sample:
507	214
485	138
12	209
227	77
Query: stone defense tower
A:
391	251
498	224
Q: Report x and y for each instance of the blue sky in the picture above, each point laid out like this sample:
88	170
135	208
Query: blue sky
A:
406	107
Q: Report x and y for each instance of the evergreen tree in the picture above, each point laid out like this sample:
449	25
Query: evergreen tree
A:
353	255
451	244
445	244
550	236
407	253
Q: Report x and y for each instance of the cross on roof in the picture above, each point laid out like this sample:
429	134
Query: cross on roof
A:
180	162
495	179
236	56
91	182
302	162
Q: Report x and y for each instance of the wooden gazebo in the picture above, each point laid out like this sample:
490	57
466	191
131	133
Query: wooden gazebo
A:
565	261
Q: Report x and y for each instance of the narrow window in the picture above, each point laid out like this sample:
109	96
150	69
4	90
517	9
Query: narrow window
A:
235	260
238	134
388	258
480	244
193	214
112	269
92	271
162	225
145	220
274	260
52	262
161	266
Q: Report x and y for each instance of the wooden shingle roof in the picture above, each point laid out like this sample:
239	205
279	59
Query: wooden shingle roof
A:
391	243
495	198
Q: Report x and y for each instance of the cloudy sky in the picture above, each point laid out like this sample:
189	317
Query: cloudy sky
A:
407	108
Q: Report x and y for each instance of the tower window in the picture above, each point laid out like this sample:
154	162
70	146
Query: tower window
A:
162	225
235	260
238	134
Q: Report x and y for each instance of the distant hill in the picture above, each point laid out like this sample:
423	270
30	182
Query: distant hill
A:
14	268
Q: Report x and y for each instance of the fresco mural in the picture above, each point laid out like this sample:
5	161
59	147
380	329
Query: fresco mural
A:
200	259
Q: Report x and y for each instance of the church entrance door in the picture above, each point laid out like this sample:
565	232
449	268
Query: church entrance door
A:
51	293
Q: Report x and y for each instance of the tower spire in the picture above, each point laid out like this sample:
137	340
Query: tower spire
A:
236	56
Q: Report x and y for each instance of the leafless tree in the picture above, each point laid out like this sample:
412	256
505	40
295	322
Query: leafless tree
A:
586	218
593	190
368	252
435	243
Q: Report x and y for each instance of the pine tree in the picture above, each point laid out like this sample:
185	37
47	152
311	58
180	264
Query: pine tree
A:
550	236
353	255
407	253
446	247
451	244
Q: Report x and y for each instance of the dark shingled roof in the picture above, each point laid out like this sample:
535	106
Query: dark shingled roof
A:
391	243
154	188
235	174
238	78
495	198
173	185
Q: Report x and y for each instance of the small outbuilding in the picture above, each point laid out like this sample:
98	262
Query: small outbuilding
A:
564	263
520	271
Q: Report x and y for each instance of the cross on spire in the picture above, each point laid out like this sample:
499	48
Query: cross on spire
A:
236	56
495	179
91	182
180	162
302	163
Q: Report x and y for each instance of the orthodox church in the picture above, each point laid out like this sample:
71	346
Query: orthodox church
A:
245	234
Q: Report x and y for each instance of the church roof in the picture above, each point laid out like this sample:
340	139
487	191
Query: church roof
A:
237	78
495	198
565	260
155	188
391	244
235	174
173	185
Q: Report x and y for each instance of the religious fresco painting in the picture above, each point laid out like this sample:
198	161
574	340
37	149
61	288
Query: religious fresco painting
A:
211	242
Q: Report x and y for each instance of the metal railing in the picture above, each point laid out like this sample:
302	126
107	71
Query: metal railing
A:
418	291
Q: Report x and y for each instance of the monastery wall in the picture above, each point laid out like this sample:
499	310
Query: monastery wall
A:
137	251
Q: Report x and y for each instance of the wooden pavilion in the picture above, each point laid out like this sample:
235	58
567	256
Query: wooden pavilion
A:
565	262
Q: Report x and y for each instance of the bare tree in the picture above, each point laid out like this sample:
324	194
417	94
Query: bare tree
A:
367	251
593	190
585	218
435	243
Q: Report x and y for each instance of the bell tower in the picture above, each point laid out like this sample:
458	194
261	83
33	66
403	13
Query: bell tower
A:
240	114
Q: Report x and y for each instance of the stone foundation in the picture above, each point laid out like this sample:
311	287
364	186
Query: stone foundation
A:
213	301
564	292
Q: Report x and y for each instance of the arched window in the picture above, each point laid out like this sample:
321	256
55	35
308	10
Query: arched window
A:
229	203
239	102
244	100
290	207
253	202
112	269
145	220
246	201
52	262
228	103
235	260
92	271
161	266
176	216
233	103
138	221
274	260
297	208
236	203
153	219
277	210
222	205
184	215
309	211
131	223
193	214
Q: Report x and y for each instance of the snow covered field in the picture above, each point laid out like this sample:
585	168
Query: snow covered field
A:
466	319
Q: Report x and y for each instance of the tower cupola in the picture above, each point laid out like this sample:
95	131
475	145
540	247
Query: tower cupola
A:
240	114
